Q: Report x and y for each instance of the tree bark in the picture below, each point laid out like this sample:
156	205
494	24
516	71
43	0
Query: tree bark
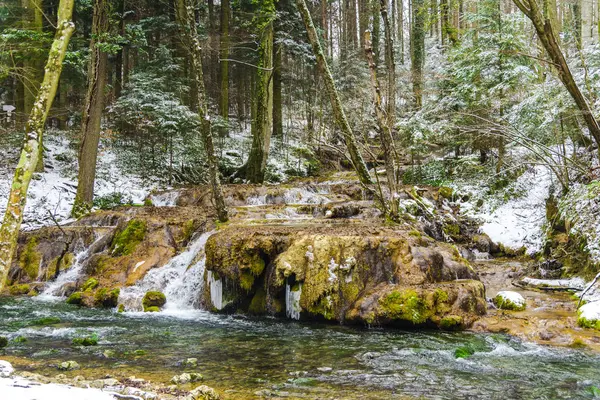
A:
262	125
277	88
417	43
191	35
13	217
336	104
92	114
546	34
224	55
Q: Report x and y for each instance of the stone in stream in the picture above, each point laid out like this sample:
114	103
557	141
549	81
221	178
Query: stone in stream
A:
203	392
508	300
588	315
6	369
153	300
68	366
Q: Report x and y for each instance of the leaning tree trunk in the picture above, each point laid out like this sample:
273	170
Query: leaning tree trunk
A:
336	104
34	128
92	114
262	125
195	49
547	36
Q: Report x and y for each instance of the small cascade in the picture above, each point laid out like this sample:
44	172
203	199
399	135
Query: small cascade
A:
181	280
290	196
166	199
292	301
216	290
53	288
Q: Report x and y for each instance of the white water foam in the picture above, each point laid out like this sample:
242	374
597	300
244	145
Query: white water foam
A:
181	280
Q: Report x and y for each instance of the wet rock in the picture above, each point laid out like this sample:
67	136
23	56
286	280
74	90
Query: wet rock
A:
153	299
186	378
508	300
203	392
547	335
68	366
324	369
484	244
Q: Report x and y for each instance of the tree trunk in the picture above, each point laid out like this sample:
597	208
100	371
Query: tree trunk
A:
383	121
92	114
277	99
417	50
390	65
336	104
13	217
262	126
224	55
191	35
376	30
546	34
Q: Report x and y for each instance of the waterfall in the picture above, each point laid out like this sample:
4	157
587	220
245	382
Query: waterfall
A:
181	279
70	275
216	290
292	301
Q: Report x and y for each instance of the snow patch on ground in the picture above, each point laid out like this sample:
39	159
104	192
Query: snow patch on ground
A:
519	221
53	191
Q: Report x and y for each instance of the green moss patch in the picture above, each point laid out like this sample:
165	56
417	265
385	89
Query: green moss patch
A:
19	290
90	284
125	242
153	299
75	298
107	298
29	261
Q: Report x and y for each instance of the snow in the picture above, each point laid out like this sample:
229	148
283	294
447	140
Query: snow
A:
53	191
590	311
512	297
573	283
16	387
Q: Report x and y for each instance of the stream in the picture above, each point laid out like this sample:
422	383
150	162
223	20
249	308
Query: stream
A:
248	358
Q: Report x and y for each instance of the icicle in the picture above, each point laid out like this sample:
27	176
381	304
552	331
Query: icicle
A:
216	290
292	301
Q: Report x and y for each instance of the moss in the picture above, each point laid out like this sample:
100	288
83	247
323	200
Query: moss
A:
125	242
446	192
406	305
65	263
90	284
452	230
153	299
20	339
323	307
415	233
464	352
107	298
277	306
3	342
246	280
47	321
505	304
451	322
578	344
151	309
75	298
86	341
19	290
258	303
29	261
189	227
586	323
121	308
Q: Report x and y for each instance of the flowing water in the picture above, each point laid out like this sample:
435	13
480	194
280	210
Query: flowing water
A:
245	356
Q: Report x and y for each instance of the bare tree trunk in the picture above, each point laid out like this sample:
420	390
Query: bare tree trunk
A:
417	44
13	217
224	55
92	114
191	35
546	34
336	104
383	121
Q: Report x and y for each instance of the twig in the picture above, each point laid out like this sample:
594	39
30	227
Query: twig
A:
586	289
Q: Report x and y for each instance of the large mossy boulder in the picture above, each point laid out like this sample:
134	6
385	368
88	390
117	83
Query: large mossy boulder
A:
358	274
508	300
153	300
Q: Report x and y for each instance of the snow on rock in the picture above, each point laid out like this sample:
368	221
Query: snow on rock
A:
572	283
589	315
508	300
16	387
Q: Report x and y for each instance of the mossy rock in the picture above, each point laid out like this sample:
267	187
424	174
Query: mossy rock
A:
508	300
151	309
451	322
121	308
588	315
3	342
30	259
68	366
47	321
90	284
66	262
107	298
406	305
464	352
446	192
76	298
86	341
258	304
153	299
19	290
125	242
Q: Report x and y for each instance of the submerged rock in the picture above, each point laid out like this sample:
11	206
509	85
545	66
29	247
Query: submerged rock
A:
186	378
203	392
507	300
68	366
